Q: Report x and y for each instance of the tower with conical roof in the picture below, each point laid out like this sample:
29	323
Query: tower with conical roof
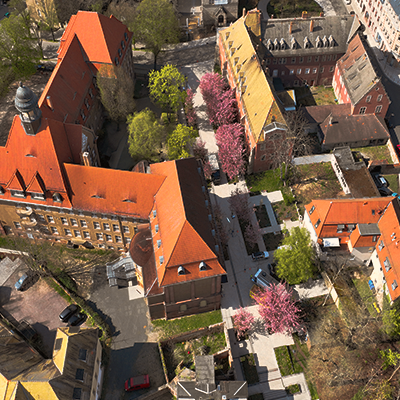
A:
26	102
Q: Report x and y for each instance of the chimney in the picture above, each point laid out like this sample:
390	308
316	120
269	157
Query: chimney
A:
86	159
244	12
311	25
304	14
321	14
49	103
272	16
290	27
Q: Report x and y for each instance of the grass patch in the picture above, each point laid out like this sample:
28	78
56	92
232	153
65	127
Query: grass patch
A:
267	180
172	327
292	9
393	182
293	389
284	362
366	295
272	241
283	212
323	95
262	216
375	153
249	368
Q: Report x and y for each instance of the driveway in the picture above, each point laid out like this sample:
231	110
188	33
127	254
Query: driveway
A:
132	352
39	305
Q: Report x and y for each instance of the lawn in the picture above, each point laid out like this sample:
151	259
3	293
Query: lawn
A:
315	95
172	327
293	389
249	368
366	295
267	180
262	216
375	153
283	212
293	9
393	182
272	241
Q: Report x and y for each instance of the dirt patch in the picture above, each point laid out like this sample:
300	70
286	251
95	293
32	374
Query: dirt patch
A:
36	83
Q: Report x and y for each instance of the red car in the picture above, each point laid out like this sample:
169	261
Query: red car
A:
137	382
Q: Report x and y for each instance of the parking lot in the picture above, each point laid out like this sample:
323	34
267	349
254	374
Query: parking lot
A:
39	305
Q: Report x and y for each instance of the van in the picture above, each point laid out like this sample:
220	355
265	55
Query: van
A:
260	279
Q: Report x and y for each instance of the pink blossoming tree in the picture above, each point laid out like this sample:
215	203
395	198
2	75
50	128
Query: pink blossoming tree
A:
277	308
189	108
243	321
226	112
252	234
239	204
231	153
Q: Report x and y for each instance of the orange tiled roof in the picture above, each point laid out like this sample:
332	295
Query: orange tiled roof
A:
184	227
347	211
25	158
99	36
102	190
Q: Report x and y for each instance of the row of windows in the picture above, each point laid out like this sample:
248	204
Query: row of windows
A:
119	50
293	60
369	98
378	110
299	71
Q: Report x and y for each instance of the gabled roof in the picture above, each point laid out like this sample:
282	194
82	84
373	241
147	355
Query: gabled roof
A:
99	36
102	190
358	74
353	128
184	227
16	182
347	211
257	90
317	114
36	185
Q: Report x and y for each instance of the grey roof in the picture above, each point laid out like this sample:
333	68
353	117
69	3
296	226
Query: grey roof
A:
334	31
396	7
225	389
205	369
369	229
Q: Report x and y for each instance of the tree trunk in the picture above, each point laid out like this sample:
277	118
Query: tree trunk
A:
52	34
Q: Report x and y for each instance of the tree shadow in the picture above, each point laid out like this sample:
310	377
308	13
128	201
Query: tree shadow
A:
258	328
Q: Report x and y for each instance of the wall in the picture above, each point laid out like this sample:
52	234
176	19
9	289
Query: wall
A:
332	291
183	337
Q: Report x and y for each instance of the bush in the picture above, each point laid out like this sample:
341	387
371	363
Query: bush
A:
288	198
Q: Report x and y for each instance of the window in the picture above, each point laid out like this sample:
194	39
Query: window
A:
64	221
299	71
374	238
300	60
309	59
362	110
83	223
334	56
317	223
314	70
58	344
307	71
203	303
316	58
323	58
91	93
387	265
156	228
67	232
77	233
158	243
102	246
378	109
96	225
126	36
108	238
394	285
83	115
74	222
99	236
17	225
321	70
161	258
312	210
116	61
368	99
86	235
291	72
76	395
106	226
125	229
340	228
379	98
115	227
122	44
79	374
54	230
41	218
381	245
263	157
17	193
351	227
293	60
120	52
37	196
331	69
118	239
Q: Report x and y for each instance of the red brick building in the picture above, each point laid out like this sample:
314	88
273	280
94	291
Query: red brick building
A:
355	81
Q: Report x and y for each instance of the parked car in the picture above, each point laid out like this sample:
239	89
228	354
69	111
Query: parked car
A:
381	181
68	312
23	282
216	177
137	382
384	191
259	255
77	319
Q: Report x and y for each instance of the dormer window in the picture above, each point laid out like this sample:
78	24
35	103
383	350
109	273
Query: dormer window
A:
387	265
331	41
283	44
159	243
181	270
317	223
394	285
120	52
277	46
2	191
154	213
270	45
17	193
307	43
126	36
318	42
37	196
57	197
122	44
381	245
116	61
157	228
293	43
351	227
202	266
161	258
340	228
325	41
312	210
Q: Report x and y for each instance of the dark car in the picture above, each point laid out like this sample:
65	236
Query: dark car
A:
24	281
137	382
77	319
384	191
259	255
68	312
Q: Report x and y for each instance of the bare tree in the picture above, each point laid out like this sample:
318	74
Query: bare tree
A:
125	11
45	14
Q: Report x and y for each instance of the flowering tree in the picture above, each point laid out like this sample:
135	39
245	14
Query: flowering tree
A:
252	234
189	108
243	321
277	308
239	204
201	153
226	109
231	149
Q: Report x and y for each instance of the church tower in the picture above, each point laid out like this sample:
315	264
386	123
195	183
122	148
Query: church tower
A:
26	102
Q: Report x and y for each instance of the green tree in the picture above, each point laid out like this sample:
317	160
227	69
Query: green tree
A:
180	142
295	257
125	11
116	91
166	88
156	24
45	14
145	135
17	49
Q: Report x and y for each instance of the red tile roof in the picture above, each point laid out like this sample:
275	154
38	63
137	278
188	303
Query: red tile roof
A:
184	228
102	190
36	185
99	36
